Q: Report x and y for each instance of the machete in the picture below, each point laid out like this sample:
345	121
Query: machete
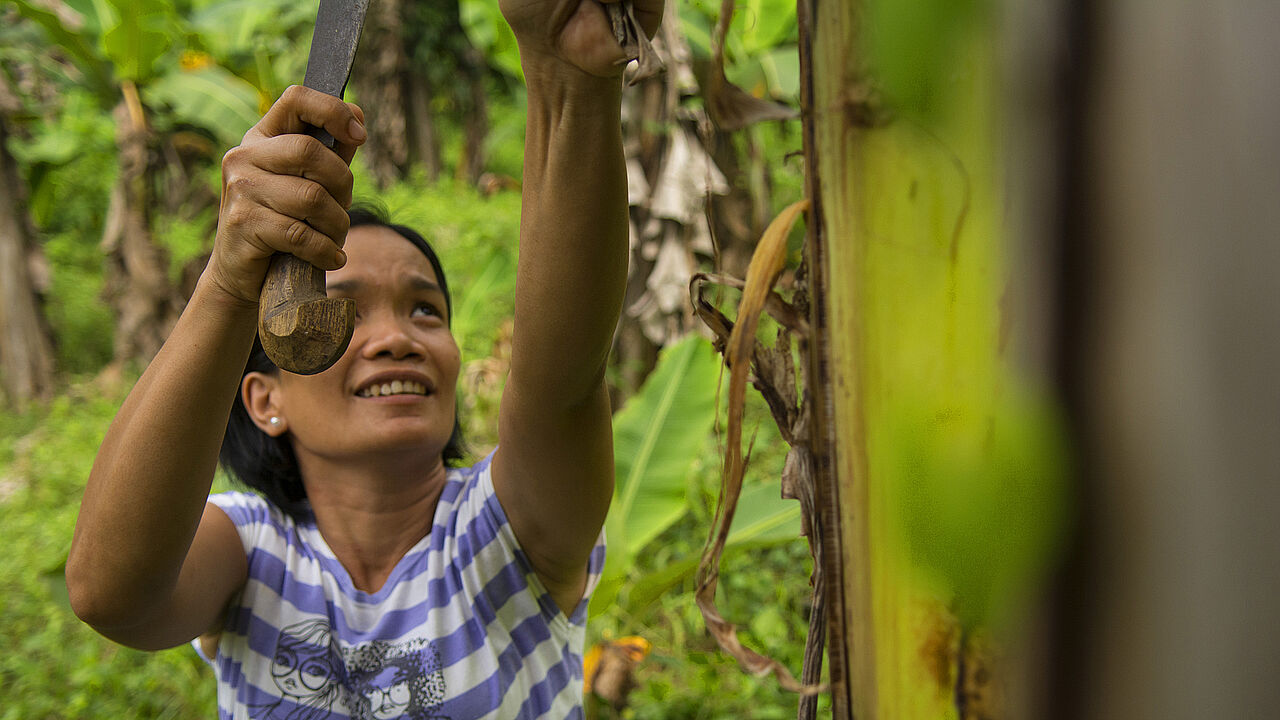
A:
301	329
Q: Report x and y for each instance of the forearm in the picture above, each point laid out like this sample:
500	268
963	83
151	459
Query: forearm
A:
573	234
152	474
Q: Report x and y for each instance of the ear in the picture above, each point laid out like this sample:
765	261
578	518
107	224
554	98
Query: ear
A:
260	394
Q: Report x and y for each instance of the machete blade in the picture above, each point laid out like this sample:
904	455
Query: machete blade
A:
333	44
301	329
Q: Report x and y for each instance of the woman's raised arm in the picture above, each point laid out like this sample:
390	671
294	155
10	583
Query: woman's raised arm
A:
554	467
150	565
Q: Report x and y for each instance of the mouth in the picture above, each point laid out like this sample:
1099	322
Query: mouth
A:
389	385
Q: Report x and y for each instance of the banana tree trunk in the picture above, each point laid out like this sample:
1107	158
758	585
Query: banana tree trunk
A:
907	353
26	352
137	279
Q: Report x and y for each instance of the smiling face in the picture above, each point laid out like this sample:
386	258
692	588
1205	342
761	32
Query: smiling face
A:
394	388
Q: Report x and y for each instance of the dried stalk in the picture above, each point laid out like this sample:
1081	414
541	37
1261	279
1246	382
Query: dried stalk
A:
635	43
740	348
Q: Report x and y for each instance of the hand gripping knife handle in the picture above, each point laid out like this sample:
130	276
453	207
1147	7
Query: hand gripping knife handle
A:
303	330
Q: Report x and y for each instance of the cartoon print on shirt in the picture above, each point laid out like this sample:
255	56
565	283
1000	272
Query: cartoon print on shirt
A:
371	681
308	671
395	680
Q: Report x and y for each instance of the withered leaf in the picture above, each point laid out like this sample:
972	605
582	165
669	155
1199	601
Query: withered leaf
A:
766	265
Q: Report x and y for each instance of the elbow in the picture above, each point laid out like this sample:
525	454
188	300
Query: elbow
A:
95	602
88	601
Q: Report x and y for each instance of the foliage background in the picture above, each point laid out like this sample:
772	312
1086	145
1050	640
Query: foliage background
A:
242	53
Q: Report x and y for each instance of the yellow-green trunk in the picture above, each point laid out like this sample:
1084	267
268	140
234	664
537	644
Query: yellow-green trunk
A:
913	245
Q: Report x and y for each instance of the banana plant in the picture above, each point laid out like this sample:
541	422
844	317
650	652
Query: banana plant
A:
125	54
761	44
115	43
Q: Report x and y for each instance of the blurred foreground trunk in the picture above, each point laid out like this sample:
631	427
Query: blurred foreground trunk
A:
26	352
1171	345
1148	241
938	471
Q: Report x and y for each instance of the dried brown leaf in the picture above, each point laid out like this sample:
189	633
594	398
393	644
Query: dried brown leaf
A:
635	43
731	107
765	267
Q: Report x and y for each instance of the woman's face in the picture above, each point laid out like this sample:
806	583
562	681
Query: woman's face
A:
394	388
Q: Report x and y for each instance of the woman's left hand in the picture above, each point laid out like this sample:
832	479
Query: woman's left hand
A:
577	32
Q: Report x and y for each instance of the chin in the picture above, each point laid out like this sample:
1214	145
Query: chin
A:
410	439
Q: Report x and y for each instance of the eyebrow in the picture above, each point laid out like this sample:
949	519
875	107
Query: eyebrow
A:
355	285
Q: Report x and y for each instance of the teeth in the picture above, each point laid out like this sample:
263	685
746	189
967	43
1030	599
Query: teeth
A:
395	387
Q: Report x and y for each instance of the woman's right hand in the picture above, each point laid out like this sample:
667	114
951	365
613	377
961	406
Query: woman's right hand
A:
284	191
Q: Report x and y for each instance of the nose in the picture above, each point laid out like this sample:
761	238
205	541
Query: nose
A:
387	335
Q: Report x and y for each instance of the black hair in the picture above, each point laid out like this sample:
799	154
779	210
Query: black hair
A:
267	464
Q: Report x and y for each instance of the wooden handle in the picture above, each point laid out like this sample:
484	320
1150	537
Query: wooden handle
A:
301	329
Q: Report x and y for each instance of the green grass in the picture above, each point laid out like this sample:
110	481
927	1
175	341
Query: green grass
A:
54	666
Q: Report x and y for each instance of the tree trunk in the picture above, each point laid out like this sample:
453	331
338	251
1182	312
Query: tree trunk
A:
424	141
379	76
137	279
906	280
1171	236
475	117
26	351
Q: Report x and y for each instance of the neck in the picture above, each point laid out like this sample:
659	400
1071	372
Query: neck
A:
371	514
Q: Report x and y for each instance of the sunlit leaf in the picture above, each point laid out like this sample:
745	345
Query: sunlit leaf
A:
139	37
210	98
762	24
488	31
657	438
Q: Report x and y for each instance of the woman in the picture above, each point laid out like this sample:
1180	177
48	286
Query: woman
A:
398	587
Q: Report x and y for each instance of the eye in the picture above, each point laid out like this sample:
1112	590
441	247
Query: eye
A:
425	309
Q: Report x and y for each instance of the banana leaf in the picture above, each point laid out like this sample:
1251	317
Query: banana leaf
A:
657	438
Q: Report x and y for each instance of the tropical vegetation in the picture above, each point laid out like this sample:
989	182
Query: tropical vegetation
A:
113	118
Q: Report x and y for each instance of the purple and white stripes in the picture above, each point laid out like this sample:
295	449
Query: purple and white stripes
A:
462	628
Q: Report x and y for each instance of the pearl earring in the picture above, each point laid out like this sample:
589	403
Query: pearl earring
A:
275	421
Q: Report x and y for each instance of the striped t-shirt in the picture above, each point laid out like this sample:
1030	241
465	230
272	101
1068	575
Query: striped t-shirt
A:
462	629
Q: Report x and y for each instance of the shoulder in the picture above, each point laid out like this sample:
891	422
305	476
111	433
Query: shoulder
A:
257	520
468	502
244	507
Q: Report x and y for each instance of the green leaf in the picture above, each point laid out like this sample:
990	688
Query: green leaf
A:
765	23
488	31
210	98
782	68
469	314
657	438
763	518
697	31
78	44
139	37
